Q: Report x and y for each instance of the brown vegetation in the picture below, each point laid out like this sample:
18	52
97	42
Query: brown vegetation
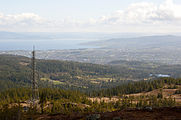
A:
131	114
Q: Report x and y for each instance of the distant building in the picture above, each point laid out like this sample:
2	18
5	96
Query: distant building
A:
159	75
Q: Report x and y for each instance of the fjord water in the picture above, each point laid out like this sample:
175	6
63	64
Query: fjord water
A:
43	44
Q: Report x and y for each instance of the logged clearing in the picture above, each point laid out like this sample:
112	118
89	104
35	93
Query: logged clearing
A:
166	94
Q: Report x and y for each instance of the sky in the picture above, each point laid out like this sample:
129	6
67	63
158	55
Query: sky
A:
112	16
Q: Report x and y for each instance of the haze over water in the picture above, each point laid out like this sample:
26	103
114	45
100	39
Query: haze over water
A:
11	44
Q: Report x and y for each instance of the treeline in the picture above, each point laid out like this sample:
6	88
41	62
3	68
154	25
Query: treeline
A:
136	87
57	101
15	95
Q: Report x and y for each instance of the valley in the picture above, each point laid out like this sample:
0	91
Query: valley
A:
90	60
123	82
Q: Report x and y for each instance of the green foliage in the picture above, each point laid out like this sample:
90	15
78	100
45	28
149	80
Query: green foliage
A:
15	71
136	87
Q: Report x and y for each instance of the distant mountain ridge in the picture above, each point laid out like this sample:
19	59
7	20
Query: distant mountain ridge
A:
164	49
140	42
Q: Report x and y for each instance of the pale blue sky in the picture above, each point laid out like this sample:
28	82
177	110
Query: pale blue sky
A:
67	8
60	15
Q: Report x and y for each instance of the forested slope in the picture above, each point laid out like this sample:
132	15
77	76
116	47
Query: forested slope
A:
16	71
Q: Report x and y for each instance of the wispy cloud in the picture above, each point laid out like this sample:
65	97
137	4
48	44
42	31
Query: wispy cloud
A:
141	14
145	13
23	19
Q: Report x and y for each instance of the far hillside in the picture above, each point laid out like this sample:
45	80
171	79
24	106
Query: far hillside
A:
144	42
152	68
16	71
